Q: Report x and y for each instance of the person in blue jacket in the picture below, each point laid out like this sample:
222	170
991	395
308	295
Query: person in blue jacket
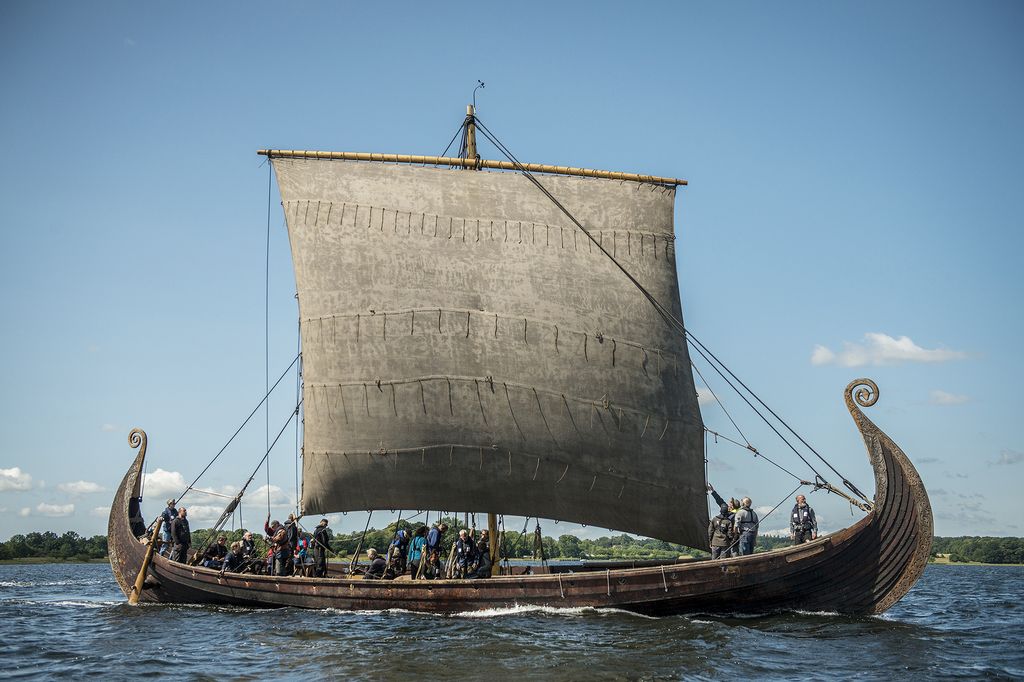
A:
416	548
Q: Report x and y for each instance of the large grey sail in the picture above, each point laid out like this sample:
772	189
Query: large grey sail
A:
466	348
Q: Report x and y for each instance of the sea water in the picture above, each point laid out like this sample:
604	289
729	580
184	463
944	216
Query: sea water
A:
72	620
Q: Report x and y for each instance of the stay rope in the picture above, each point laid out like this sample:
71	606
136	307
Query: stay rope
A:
237	499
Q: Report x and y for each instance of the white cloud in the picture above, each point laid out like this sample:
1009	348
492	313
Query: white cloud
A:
938	397
101	512
25	511
164	483
204	513
81	487
108	428
278	497
718	465
881	349
1007	458
704	396
14	479
55	510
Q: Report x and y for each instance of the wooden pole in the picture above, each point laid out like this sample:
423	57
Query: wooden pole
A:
468	163
133	598
471	135
492	532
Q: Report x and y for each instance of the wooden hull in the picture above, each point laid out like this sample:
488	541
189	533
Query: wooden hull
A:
863	569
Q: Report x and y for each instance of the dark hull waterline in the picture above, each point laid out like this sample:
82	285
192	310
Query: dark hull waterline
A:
863	569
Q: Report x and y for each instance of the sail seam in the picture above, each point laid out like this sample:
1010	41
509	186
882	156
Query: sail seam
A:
603	403
376	221
448	448
556	330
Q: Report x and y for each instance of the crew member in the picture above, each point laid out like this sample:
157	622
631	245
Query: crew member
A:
803	527
416	551
168	515
214	555
483	552
434	540
248	545
181	536
235	558
321	543
378	565
746	523
465	554
720	533
399	550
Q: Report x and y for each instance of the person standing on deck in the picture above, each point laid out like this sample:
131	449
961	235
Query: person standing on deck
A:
291	527
434	539
733	506
720	533
168	515
321	543
399	549
483	551
416	548
803	527
181	536
465	554
746	522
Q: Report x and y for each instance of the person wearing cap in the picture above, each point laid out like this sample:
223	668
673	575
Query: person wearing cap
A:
167	515
321	543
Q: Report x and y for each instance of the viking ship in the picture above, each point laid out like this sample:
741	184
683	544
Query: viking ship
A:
521	324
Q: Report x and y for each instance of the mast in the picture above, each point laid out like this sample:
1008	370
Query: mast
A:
494	546
471	154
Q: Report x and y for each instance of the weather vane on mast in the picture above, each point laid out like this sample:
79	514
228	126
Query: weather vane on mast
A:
479	86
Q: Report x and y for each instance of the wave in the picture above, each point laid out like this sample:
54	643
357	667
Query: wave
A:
52	583
574	611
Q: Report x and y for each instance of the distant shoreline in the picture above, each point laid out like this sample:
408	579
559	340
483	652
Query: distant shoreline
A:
52	560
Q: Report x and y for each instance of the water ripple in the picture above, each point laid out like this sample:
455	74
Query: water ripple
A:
958	622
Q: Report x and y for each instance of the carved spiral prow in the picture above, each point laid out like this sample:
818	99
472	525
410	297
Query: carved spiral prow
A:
137	439
863	391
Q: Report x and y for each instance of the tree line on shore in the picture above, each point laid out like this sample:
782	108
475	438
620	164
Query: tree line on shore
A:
71	546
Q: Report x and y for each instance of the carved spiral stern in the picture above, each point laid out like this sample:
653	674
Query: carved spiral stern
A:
125	523
899	491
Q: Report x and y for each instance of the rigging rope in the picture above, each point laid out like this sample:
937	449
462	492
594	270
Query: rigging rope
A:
229	510
237	431
762	518
670	319
756	452
461	128
782	421
721	404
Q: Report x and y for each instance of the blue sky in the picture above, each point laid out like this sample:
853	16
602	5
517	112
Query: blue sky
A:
854	209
